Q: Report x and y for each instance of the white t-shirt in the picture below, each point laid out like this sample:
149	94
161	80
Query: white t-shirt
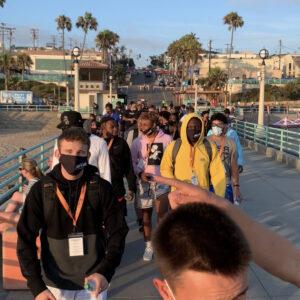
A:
99	156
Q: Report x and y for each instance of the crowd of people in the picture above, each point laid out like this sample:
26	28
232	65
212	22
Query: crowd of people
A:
168	156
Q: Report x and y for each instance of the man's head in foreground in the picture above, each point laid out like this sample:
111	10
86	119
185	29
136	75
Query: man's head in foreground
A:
201	254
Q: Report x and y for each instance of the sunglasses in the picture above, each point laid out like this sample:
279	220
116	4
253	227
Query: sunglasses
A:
20	169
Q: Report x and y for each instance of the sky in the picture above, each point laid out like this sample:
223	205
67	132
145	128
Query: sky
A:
148	27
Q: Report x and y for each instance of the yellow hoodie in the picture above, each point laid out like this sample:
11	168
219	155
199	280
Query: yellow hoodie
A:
183	170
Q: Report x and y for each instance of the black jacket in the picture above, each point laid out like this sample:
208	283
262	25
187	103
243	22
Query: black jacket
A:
101	222
121	166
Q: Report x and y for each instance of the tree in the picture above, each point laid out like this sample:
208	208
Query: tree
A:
158	61
23	62
7	62
234	21
86	23
2	2
185	52
106	40
64	23
216	80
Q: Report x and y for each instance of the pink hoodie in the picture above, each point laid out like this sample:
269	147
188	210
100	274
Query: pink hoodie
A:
139	152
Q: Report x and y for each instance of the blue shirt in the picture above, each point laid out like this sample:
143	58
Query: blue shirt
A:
232	134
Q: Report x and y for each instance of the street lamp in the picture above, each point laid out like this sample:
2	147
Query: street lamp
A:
110	87
263	54
75	55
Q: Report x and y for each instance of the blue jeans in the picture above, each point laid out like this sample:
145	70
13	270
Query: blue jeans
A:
228	192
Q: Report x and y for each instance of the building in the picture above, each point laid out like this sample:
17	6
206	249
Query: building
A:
246	65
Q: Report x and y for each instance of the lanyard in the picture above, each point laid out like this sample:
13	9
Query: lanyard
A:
222	147
192	156
65	205
110	143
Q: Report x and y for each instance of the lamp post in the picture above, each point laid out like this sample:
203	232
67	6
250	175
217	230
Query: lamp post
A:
76	54
110	88
263	54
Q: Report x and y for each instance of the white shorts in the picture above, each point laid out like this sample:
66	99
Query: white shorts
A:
148	192
75	294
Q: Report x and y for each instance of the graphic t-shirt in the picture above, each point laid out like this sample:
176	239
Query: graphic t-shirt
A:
229	153
155	154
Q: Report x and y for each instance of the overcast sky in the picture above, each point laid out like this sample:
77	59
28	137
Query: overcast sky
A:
147	27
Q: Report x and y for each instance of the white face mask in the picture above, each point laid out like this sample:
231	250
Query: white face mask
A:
171	292
216	130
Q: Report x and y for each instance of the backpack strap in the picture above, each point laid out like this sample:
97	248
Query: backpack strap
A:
208	148
48	190
175	151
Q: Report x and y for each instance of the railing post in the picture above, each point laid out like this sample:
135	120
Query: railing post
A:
244	129
267	135
42	158
20	180
281	140
254	132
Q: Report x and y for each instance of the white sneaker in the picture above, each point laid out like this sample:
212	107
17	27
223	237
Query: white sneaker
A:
148	254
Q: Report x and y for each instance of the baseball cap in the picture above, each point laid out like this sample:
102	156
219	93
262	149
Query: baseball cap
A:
70	118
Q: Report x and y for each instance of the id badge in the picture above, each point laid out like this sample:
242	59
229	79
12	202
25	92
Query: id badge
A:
75	241
194	179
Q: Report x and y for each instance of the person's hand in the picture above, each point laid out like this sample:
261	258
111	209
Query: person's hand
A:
237	194
241	169
45	295
188	193
145	177
130	196
101	284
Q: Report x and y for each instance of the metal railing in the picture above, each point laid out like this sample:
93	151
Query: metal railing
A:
271	81
85	110
285	140
10	179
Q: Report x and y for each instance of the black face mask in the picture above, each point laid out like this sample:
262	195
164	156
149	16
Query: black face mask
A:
193	135
93	130
149	131
165	128
73	164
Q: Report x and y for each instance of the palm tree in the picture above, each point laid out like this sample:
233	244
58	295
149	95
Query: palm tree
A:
86	22
106	40
185	52
7	62
23	62
2	2
234	21
64	23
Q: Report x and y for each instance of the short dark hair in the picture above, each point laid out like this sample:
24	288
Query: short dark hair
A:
219	117
226	111
165	114
74	134
104	120
200	237
108	105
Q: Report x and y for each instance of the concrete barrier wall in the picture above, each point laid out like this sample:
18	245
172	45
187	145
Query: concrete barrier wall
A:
277	155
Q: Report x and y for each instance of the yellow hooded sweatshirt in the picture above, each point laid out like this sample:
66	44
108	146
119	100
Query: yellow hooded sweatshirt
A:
202	167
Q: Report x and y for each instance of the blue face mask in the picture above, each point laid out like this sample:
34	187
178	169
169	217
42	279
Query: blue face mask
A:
216	130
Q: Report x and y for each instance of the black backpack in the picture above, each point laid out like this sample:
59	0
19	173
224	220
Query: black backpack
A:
177	146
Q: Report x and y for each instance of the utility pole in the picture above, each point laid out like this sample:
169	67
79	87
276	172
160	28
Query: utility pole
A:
280	49
227	48
53	38
209	55
3	28
70	44
35	36
11	31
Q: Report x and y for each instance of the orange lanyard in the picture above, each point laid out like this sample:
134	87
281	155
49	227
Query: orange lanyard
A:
65	205
110	144
192	156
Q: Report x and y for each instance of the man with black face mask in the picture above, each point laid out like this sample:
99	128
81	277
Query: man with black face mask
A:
194	159
120	162
81	228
